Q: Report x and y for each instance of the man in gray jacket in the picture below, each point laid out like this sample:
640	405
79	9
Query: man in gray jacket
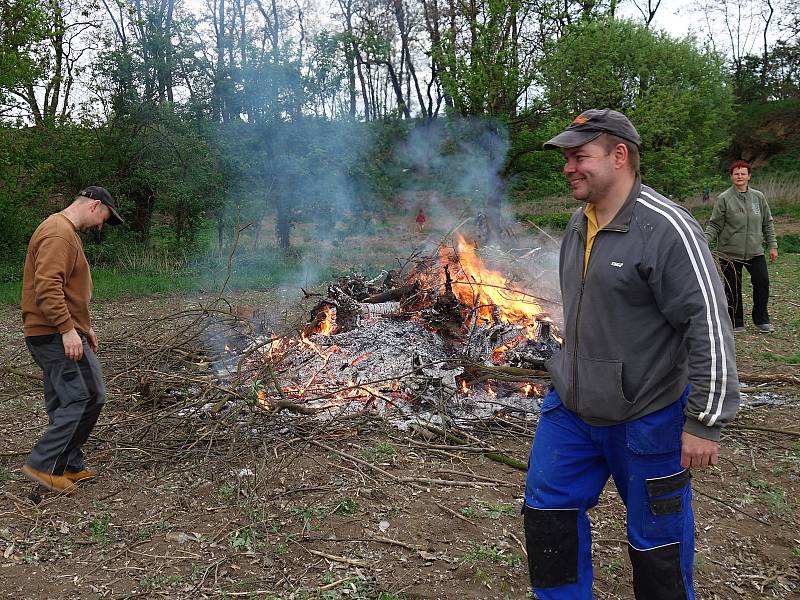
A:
741	223
646	378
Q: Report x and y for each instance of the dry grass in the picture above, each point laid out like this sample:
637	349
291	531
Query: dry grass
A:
142	259
783	188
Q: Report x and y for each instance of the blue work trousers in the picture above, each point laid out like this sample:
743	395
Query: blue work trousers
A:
570	464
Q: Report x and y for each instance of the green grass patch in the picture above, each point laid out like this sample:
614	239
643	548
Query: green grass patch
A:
773	495
791	359
113	284
227	493
785	209
789	243
154	582
347	507
380	452
242	538
306	514
554	221
702	212
250	269
483	553
10	292
99	529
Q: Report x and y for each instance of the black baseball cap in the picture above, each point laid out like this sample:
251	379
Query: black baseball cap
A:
95	192
591	124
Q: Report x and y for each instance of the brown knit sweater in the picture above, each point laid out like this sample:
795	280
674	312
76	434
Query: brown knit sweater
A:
56	282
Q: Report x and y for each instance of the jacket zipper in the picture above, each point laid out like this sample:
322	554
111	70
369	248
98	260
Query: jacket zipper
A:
575	350
580	303
747	226
578	319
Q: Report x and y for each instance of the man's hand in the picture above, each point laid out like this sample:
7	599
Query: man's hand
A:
697	451
773	254
73	346
91	337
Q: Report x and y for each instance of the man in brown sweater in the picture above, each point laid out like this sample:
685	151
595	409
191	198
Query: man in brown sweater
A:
56	289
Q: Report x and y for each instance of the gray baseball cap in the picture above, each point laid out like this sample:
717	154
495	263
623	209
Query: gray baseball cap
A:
591	124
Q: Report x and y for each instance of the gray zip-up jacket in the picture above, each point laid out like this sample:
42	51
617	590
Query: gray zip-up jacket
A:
741	222
648	317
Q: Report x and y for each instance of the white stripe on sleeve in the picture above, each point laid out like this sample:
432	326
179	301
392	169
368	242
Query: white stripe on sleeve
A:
707	288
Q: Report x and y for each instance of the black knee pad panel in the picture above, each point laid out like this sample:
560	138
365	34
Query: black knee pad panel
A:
657	573
551	539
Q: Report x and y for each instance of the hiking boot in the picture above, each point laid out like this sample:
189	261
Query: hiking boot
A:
739	329
76	476
765	327
55	483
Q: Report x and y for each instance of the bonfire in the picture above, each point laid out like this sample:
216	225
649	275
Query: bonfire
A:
450	336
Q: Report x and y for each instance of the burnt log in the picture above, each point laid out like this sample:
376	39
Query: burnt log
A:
318	317
392	280
533	354
512	374
355	286
394	295
348	309
445	316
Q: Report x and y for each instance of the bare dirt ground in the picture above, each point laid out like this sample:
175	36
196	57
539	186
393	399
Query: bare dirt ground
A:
260	507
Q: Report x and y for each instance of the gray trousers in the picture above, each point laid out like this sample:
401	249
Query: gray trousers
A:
74	393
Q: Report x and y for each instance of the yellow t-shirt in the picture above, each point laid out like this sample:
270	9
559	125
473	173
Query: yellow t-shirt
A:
591	232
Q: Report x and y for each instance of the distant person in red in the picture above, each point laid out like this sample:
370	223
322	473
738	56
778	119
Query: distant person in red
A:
420	221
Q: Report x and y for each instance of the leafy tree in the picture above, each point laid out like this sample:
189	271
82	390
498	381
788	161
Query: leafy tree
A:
45	93
675	94
326	72
22	25
309	170
482	73
160	165
782	81
24	186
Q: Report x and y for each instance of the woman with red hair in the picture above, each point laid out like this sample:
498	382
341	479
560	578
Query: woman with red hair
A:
741	223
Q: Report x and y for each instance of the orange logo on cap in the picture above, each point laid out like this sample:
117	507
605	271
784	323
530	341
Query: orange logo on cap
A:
580	120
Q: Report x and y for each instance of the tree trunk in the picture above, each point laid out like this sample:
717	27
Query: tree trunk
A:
765	61
283	227
401	103
346	7
364	88
405	53
168	51
144	202
219	75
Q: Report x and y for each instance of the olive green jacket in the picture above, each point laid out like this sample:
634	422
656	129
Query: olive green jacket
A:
741	223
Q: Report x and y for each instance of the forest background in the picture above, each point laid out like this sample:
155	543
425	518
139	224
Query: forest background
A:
266	133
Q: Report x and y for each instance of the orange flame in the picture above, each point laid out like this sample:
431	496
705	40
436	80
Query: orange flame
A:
490	291
262	400
526	389
326	327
